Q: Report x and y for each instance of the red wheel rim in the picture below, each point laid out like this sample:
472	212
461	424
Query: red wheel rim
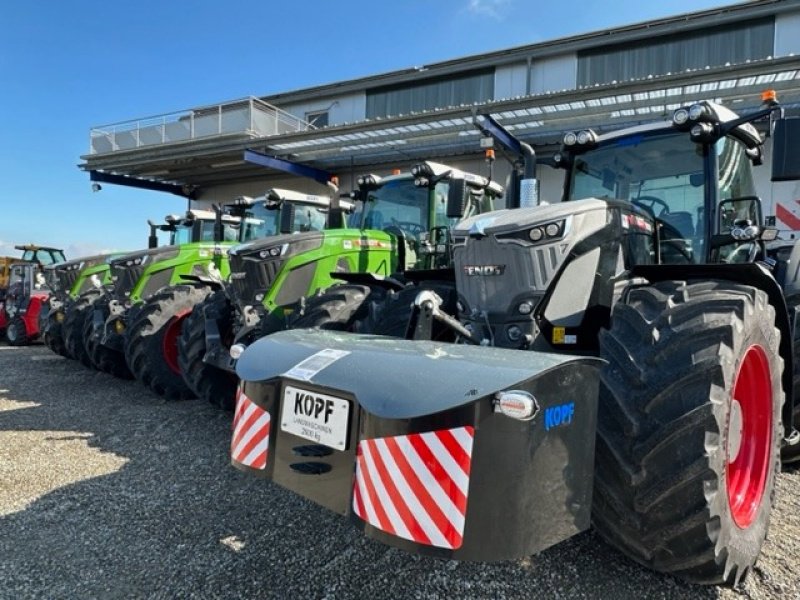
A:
170	341
749	436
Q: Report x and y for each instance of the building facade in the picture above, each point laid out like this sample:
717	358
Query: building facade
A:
604	80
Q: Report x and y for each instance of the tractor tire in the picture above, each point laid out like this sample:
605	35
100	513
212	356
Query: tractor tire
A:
339	308
72	328
151	340
391	317
54	336
103	358
207	381
17	333
689	428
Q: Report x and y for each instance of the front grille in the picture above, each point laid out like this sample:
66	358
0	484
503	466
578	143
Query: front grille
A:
66	279
259	274
126	277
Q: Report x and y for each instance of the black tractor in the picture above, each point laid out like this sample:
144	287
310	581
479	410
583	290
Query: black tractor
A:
623	357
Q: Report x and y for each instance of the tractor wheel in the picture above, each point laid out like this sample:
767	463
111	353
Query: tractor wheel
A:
339	308
391	316
207	381
54	335
689	428
17	333
151	340
72	328
103	358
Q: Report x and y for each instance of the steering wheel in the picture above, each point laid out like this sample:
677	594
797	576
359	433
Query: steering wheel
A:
409	227
649	203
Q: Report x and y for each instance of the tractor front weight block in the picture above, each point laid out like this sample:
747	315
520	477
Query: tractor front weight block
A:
448	450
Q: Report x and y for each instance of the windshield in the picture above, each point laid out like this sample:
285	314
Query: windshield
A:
402	204
396	202
258	221
308	217
182	235
663	174
44	256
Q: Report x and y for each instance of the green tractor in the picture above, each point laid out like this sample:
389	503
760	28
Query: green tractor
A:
67	281
151	333
626	357
95	326
402	232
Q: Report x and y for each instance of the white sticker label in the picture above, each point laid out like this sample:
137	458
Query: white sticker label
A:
317	417
306	369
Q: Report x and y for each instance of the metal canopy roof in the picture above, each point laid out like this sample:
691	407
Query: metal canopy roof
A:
537	119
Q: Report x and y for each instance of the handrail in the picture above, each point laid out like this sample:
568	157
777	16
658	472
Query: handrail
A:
246	116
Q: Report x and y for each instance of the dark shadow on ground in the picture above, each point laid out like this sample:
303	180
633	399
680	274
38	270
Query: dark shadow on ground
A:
177	521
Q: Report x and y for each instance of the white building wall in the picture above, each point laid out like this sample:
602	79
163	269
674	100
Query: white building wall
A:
510	81
780	199
787	34
341	109
554	74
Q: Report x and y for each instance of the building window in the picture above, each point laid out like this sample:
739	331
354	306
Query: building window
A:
435	93
317	118
715	47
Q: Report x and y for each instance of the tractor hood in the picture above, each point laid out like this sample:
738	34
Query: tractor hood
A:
511	220
395	378
83	262
312	238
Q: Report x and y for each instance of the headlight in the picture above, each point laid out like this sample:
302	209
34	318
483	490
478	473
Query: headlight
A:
697	111
680	116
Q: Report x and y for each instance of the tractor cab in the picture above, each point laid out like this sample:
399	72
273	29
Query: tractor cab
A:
26	279
281	211
421	207
27	292
42	255
691	178
201	226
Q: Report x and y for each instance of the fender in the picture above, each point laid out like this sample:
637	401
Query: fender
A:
747	274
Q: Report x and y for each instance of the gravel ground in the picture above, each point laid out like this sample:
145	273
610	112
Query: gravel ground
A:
108	492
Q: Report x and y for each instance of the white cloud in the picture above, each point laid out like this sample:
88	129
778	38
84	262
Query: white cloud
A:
496	9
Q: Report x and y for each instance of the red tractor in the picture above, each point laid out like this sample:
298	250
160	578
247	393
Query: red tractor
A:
12	282
19	313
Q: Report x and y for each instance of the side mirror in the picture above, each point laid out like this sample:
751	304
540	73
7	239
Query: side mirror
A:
287	217
785	154
219	233
457	196
739	213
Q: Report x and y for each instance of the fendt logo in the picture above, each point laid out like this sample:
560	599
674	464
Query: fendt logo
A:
472	270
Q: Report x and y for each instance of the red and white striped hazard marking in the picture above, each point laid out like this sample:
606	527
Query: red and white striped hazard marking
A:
415	486
250	433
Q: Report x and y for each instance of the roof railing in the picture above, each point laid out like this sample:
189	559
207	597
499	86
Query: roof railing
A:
248	116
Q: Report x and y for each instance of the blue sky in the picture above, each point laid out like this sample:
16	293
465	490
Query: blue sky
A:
69	65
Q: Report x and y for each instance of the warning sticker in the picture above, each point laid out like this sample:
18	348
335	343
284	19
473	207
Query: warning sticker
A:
558	335
306	369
